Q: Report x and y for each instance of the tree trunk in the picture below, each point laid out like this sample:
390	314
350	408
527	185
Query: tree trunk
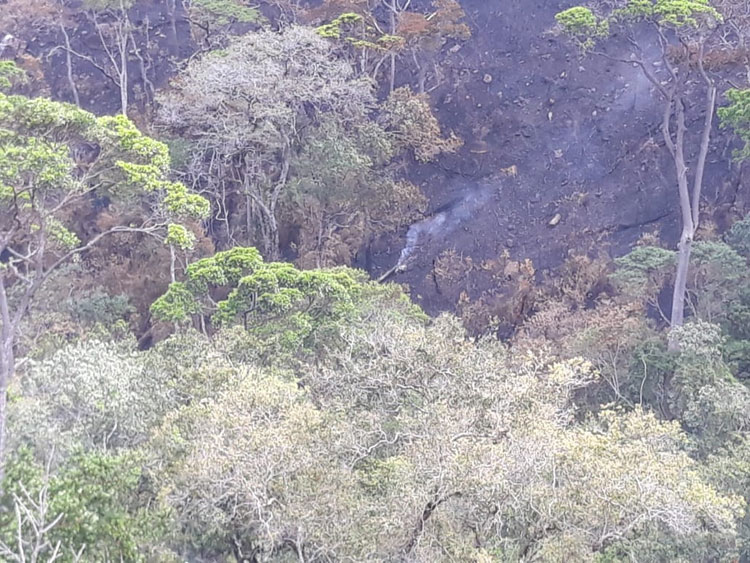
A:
392	83
689	205
124	73
5	373
688	227
680	282
69	66
172	263
7	366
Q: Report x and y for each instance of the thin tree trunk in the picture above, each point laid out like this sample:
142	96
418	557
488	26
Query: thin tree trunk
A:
688	226
689	205
4	380
393	55
172	261
172	40
148	86
124	72
705	139
69	66
7	366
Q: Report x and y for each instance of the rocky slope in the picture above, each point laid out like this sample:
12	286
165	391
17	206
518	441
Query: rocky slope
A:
562	155
569	147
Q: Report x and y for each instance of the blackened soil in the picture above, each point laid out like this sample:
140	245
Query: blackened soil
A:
550	133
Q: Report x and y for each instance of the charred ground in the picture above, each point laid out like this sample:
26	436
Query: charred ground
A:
565	153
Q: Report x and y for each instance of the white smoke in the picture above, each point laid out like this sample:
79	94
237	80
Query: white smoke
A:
443	223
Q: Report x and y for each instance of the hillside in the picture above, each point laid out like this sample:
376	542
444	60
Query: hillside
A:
403	281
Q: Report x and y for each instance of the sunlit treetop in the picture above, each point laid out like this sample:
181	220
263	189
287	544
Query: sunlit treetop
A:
223	12
257	288
55	155
737	117
586	26
672	13
9	75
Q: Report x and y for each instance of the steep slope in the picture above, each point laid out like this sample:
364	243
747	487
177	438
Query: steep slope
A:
563	155
570	148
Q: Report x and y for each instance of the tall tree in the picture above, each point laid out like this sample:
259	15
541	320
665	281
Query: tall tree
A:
682	30
245	109
278	126
56	160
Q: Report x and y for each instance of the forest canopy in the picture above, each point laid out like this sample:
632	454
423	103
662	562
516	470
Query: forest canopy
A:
228	234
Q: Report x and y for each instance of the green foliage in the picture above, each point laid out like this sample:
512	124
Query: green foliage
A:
176	305
335	178
333	29
223	12
642	272
737	116
98	307
672	13
38	139
10	74
208	446
180	237
269	298
738	237
710	401
409	415
90	393
93	500
583	26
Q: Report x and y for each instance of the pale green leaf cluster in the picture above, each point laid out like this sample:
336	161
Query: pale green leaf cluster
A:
10	74
52	155
180	237
400	439
737	117
586	27
258	289
407	416
332	30
672	13
583	26
92	393
223	12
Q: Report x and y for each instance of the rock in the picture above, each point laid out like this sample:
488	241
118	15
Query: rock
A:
455	49
487	79
555	221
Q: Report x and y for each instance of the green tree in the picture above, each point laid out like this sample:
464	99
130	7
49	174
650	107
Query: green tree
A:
683	31
410	442
281	127
93	507
274	300
54	160
209	17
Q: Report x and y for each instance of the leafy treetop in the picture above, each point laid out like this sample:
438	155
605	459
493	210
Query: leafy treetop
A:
222	12
10	74
258	288
737	116
53	154
585	27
